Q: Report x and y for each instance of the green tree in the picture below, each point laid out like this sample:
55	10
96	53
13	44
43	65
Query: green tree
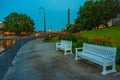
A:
85	15
109	11
18	23
96	12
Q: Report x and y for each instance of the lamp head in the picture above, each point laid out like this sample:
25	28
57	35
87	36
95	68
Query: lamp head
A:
40	9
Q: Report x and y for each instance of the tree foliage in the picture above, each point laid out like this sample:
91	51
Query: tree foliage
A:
73	28
96	12
18	23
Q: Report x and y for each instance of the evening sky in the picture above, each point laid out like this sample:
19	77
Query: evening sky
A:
56	11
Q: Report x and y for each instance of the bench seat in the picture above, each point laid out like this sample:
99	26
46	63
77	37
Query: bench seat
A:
94	58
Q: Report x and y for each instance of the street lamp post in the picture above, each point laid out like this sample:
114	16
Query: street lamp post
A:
44	19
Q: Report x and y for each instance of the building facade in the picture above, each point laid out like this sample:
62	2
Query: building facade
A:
1	24
114	21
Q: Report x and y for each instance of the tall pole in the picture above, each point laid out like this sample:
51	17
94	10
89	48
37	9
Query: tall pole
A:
68	16
44	19
44	22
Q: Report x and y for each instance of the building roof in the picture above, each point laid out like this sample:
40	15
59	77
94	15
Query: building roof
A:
0	22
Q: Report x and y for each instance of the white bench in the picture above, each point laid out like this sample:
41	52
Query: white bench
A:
65	46
104	56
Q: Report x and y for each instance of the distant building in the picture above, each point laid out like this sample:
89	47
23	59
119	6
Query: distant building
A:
49	30
39	33
63	30
109	23
1	24
114	21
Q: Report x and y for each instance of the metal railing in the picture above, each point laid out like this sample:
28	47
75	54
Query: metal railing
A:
7	55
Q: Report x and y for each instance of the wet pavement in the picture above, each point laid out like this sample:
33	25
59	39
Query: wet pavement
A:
40	61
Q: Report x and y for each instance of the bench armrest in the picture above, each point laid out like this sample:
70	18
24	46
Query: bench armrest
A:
58	43
77	49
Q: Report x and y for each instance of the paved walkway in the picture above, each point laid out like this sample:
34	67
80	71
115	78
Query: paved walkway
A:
40	61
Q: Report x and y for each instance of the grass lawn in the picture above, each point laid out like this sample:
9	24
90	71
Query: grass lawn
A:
113	32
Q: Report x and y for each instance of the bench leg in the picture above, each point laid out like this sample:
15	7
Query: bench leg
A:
71	51
113	68
76	58
65	53
104	70
56	48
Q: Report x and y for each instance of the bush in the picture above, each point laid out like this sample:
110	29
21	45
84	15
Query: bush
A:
105	41
47	38
55	39
51	39
80	43
62	37
74	45
71	38
118	55
118	67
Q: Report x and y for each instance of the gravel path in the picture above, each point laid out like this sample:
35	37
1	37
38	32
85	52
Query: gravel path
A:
40	61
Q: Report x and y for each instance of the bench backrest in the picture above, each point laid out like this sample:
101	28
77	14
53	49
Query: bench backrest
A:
99	50
66	42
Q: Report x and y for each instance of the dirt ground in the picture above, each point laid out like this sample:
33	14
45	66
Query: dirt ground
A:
40	61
